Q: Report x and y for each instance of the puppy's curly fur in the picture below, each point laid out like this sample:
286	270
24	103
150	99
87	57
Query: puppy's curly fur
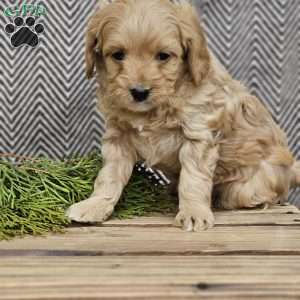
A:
198	124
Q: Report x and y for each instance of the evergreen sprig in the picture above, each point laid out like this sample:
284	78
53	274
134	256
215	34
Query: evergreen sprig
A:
34	194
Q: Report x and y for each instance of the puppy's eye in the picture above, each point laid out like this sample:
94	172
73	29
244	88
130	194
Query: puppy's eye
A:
163	56
118	55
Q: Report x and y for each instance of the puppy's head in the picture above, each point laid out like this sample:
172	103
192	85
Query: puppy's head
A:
144	50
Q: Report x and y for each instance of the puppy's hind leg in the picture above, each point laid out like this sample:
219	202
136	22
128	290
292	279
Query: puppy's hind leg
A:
295	175
265	184
119	160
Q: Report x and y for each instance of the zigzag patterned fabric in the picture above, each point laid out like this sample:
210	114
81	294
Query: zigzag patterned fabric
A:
47	107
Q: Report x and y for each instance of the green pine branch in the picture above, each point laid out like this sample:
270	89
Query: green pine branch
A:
34	194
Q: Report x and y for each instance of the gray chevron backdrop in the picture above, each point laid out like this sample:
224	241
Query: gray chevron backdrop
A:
47	107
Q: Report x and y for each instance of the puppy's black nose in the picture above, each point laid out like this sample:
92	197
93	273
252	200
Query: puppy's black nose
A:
140	94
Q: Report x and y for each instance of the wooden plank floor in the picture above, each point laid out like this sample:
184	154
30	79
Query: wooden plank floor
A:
249	254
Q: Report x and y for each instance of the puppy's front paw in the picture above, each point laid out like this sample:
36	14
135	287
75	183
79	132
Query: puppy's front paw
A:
91	210
195	218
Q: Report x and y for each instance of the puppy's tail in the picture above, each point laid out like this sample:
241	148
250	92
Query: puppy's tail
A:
295	180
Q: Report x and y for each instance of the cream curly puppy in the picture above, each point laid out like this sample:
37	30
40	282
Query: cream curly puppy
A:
168	101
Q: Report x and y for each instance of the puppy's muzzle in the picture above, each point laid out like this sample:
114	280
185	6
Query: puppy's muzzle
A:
140	94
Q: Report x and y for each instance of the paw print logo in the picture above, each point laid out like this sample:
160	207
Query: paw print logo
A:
24	33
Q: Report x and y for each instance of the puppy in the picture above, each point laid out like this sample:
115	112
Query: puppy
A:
167	100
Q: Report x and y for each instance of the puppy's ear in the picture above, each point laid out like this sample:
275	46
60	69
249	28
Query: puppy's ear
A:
93	41
90	52
194	42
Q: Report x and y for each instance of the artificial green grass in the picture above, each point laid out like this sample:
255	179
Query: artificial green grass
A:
34	194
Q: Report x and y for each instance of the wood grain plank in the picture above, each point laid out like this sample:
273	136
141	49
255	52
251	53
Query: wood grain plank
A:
222	219
277	215
153	270
89	292
164	241
143	277
117	292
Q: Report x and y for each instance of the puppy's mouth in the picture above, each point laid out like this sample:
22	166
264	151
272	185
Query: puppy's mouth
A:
141	106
